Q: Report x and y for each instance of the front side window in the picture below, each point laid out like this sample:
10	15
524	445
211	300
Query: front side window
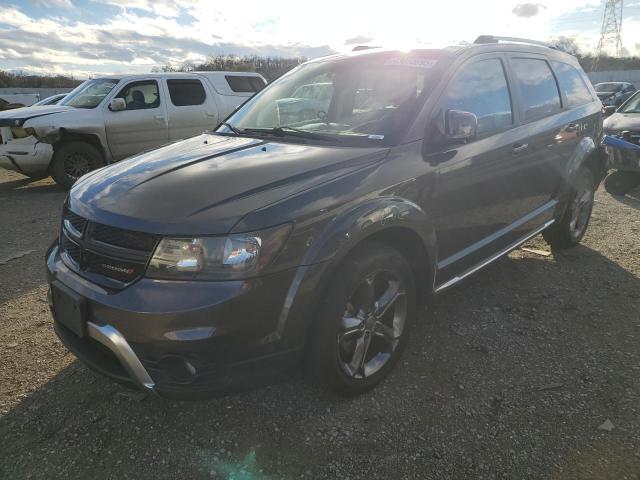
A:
140	95
353	100
185	92
572	83
90	94
538	88
481	88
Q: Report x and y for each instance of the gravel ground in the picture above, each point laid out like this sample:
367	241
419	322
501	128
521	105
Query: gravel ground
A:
517	374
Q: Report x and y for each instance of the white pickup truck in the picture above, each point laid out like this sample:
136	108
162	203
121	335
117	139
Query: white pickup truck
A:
107	119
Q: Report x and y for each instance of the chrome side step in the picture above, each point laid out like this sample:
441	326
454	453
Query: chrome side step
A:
495	256
115	341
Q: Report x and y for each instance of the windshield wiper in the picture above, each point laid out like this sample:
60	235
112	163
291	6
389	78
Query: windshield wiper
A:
288	131
232	128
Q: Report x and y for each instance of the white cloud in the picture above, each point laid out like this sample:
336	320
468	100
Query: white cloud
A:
148	32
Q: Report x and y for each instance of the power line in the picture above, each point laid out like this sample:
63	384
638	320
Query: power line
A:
610	33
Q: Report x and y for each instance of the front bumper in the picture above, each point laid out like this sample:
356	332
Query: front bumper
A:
188	339
26	155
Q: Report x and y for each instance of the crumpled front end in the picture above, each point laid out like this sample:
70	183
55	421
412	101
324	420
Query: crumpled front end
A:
26	155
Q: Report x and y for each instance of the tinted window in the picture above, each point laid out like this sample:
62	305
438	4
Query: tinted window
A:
239	83
481	88
538	88
186	92
140	95
572	84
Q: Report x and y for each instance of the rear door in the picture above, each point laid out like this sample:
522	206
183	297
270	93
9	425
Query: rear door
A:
540	108
480	208
191	106
142	125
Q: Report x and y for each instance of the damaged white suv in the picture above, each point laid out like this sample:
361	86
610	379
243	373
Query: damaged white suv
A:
107	119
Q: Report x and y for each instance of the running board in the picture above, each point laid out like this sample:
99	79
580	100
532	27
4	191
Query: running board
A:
494	257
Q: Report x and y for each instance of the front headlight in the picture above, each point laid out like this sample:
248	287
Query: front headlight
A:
19	132
217	258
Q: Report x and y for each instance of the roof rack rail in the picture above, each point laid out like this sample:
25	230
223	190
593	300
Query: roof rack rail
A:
493	39
357	48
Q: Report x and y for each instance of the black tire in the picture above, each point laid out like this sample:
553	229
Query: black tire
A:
571	227
71	160
382	337
621	183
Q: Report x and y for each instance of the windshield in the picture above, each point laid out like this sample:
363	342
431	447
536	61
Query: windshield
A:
632	105
608	87
90	93
360	100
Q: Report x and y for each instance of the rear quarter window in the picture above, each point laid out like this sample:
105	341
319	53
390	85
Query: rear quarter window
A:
538	89
244	84
572	84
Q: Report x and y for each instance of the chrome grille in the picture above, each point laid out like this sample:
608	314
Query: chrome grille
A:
109	256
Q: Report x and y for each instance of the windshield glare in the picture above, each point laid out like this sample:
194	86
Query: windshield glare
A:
347	100
632	105
90	93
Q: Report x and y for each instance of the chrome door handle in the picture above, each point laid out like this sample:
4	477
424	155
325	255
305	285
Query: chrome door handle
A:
159	117
519	148
573	127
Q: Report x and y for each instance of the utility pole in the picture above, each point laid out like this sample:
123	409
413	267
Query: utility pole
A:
610	33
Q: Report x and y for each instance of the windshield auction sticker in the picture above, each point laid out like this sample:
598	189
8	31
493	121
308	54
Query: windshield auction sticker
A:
414	62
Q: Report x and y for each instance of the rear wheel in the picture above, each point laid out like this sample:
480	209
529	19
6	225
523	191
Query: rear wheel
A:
569	230
364	321
621	183
72	160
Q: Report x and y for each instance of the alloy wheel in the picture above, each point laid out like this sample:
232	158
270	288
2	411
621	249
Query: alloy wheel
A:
372	323
581	207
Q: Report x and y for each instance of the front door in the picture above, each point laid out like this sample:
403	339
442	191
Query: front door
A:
479	207
143	123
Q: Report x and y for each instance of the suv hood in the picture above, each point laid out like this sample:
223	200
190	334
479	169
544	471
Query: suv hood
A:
18	116
622	121
206	184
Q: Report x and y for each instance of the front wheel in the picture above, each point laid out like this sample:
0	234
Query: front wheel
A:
364	321
621	183
571	227
72	160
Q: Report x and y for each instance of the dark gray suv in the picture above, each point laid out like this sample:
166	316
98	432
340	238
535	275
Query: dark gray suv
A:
311	229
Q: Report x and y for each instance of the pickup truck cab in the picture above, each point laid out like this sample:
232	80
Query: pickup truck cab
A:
108	119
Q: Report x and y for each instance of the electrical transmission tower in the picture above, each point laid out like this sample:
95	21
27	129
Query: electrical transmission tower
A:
610	34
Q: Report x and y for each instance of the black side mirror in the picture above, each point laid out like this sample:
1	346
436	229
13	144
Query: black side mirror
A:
609	110
460	126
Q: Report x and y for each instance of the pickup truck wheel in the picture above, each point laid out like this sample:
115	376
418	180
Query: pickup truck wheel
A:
364	320
71	160
569	230
621	183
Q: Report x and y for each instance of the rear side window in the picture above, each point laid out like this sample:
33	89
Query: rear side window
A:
481	88
572	84
242	84
538	88
186	92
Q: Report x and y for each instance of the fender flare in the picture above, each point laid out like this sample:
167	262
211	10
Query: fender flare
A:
585	152
339	237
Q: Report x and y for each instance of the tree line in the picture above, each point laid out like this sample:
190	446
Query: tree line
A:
22	80
269	67
273	67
